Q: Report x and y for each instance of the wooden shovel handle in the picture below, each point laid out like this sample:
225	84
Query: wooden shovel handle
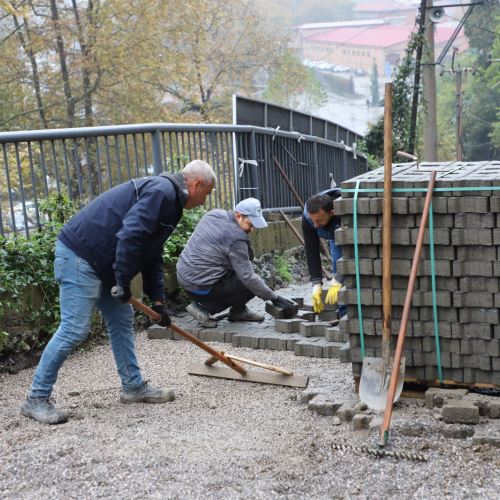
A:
387	228
384	429
221	357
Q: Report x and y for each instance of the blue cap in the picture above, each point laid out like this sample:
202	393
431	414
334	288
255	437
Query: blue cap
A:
251	208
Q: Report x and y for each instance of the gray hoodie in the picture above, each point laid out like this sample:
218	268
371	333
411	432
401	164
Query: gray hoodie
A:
217	248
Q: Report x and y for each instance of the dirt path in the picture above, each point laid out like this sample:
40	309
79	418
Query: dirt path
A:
219	438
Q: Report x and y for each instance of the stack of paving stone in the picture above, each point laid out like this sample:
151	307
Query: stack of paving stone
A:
467	269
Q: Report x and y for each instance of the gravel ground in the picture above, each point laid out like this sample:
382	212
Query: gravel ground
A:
221	438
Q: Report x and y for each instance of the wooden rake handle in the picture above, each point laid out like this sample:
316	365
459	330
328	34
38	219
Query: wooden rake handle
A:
219	355
384	429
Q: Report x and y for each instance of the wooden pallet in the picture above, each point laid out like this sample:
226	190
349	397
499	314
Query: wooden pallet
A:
414	388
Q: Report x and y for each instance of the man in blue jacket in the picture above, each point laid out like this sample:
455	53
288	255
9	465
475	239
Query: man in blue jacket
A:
319	221
98	252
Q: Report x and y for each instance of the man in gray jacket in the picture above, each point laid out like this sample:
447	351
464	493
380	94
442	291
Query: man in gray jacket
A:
215	267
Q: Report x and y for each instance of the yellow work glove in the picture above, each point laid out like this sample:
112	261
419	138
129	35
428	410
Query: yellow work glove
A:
333	292
317	303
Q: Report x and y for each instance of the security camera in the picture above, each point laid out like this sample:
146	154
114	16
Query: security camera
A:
436	14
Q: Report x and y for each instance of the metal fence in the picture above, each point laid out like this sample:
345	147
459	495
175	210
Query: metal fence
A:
258	113
84	162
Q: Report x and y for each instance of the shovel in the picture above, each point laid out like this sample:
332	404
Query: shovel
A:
376	372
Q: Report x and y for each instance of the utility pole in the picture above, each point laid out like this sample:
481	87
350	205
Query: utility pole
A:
458	114
416	79
429	84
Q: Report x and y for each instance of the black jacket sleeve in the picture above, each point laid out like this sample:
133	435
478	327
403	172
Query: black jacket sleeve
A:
312	249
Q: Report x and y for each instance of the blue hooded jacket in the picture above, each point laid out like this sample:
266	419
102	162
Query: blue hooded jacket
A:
122	232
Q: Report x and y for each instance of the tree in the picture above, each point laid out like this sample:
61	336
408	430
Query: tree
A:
293	85
401	109
374	85
482	95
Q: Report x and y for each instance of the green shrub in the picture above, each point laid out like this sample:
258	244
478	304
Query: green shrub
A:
178	239
29	295
29	305
282	268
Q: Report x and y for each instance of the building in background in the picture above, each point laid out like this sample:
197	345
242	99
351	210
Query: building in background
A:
359	47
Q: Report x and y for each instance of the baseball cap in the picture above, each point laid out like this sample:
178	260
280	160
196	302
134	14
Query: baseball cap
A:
251	208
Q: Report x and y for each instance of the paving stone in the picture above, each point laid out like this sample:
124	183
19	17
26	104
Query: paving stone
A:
361	421
280	313
468	204
468	221
292	339
345	353
245	340
471	237
159	332
315	329
460	412
273	342
477	330
435	396
306	395
212	335
308	348
473	268
489	434
334	334
345	413
329	315
323	406
288	325
476	252
307	316
332	349
489	406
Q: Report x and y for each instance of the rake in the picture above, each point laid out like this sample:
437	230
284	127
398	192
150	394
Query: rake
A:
280	376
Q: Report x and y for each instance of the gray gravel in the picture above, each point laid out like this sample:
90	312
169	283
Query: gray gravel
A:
222	438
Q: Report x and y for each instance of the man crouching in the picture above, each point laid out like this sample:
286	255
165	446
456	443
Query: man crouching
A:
215	267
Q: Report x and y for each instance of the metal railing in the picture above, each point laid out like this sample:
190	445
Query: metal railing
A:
84	162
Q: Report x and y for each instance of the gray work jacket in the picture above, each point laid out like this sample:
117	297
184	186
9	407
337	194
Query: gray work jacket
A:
218	248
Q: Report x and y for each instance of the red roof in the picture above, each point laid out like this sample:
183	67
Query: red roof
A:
376	36
383	7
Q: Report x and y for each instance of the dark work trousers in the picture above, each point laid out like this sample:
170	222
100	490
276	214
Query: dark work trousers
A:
228	292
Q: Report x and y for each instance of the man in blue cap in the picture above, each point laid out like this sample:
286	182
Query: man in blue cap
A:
319	221
215	267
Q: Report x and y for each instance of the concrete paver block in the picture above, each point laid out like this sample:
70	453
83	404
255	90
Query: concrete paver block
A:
435	397
460	412
288	325
323	406
159	332
488	434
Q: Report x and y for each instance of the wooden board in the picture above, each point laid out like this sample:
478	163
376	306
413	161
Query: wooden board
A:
259	377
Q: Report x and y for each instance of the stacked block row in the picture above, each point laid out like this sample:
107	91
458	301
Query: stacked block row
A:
466	236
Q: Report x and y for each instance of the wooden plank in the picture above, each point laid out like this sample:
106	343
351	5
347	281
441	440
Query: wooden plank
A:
259	377
212	359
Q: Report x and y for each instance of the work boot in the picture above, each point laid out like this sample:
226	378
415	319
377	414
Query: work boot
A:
244	315
200	313
146	393
43	411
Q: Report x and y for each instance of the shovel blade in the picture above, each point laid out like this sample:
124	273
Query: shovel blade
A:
375	380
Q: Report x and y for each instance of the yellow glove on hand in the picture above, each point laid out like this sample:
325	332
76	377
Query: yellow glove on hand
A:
317	303
333	292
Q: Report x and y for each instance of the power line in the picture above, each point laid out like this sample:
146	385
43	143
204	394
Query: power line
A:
475	26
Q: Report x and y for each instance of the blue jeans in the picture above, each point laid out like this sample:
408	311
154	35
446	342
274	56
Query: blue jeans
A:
80	292
336	252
